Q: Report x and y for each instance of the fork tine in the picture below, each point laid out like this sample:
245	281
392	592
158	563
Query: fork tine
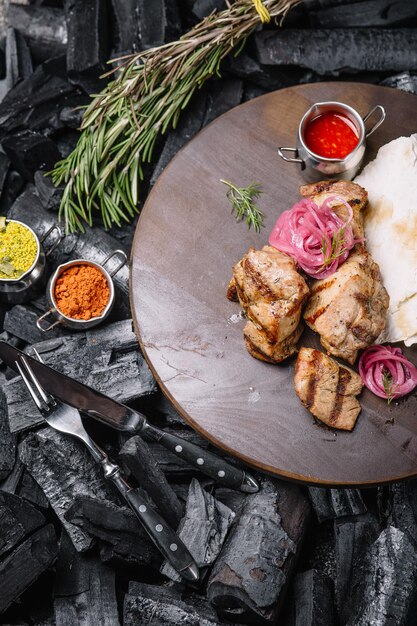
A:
47	399
29	387
38	356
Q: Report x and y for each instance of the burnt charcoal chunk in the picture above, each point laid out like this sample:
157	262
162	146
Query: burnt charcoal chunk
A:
173	27
251	70
386	586
340	50
203	529
313	595
29	152
334	503
126	17
85	590
87	49
4	170
365	14
223	95
353	537
404	81
43	27
30	491
148	604
13	185
26	563
21	321
49	194
403	513
202	8
144	467
152	22
18	59
18	519
72	117
272	522
7	441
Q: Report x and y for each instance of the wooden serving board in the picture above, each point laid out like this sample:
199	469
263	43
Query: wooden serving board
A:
185	245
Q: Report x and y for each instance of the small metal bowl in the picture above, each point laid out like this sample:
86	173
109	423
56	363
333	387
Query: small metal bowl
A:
69	322
315	167
22	289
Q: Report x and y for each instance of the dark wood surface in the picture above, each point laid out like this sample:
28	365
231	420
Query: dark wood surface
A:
185	245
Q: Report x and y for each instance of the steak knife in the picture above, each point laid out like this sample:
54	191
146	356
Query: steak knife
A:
121	417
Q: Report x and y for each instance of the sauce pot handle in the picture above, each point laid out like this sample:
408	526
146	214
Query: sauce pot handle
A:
378	123
46	329
122	263
294	159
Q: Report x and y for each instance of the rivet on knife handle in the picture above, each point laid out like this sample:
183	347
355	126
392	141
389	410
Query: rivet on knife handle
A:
222	472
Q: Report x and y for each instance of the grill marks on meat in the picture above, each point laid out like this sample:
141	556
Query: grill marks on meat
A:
348	309
272	293
328	390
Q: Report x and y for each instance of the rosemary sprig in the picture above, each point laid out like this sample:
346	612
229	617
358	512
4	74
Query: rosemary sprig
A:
243	206
389	387
146	97
337	246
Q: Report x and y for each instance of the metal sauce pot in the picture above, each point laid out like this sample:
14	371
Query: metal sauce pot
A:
69	322
22	289
315	167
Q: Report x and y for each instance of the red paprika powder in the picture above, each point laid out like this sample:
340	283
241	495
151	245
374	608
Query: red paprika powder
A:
82	292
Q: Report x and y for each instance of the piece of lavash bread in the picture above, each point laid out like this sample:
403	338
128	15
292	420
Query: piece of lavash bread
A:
391	232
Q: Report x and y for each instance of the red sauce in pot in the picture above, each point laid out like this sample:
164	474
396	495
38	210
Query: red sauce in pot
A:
332	135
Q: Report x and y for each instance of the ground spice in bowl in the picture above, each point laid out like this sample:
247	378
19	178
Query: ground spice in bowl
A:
82	292
18	249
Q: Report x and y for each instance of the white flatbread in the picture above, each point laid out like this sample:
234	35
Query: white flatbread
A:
391	232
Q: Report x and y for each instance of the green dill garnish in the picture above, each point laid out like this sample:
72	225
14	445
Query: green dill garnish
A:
337	246
243	205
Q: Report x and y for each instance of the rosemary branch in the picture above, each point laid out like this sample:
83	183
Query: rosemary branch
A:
243	205
145	98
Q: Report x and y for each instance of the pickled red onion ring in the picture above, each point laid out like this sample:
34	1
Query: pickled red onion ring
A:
378	361
307	233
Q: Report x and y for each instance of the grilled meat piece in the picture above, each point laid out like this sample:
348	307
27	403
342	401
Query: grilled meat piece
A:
352	193
327	389
271	292
348	309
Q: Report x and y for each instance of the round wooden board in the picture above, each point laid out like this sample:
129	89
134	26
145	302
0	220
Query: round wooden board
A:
185	246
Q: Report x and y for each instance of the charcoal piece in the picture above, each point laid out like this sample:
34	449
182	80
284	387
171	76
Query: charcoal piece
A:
333	503
26	563
30	151
64	469
7	440
4	169
163	606
365	14
10	484
252	571
105	358
43	27
188	126
18	520
30	491
250	69
94	245
66	140
203	528
87	49
222	96
49	194
13	185
117	526
152	22
322	4
313	594
202	8
126	26
404	81
230	497
85	590
339	50
173	25
387	584
21	321
72	117
252	91
18	59
353	537
403	513
137	456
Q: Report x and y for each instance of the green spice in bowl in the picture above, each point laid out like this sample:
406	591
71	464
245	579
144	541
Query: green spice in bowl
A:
18	249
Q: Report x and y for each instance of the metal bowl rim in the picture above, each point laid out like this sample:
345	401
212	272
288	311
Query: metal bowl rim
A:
38	243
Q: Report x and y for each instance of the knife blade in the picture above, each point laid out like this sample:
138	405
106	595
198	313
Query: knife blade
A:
121	417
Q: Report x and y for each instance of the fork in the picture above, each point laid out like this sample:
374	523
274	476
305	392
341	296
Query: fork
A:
66	419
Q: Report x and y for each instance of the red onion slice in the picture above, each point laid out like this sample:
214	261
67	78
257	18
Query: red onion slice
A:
315	237
379	364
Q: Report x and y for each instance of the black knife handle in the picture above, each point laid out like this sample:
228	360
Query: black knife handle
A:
206	462
165	539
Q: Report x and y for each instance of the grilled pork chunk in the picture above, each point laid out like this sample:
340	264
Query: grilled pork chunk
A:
271	292
327	389
352	193
348	309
